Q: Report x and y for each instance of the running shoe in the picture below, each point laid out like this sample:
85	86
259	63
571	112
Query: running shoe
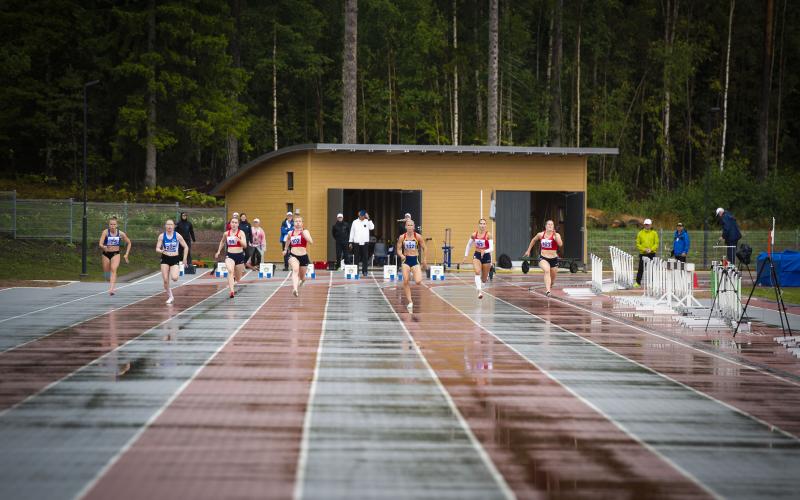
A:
636	285
410	307
480	295
547	293
231	295
111	292
302	282
171	299
296	293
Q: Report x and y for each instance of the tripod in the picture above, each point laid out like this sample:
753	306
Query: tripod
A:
725	285
776	287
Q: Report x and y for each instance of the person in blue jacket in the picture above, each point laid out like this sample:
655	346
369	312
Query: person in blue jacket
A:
730	233
680	243
286	226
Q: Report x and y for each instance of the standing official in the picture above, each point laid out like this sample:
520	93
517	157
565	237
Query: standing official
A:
185	229
341	235
359	239
286	226
730	233
680	243
647	244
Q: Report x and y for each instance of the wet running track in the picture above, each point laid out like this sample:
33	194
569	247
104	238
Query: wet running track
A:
341	393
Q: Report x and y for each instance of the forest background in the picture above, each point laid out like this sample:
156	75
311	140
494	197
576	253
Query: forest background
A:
699	96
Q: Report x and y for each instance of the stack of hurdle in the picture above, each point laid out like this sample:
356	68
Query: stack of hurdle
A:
597	274
622	268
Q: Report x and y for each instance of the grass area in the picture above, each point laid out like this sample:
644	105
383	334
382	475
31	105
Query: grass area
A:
58	260
790	295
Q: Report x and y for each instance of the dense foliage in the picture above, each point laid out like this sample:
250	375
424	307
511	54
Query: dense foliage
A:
208	65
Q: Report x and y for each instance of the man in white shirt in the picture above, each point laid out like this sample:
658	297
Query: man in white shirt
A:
359	239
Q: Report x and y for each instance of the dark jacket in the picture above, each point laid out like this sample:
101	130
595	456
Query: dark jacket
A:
730	229
341	232
248	231
286	226
185	229
680	243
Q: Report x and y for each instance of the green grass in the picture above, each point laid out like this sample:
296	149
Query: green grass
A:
790	295
58	260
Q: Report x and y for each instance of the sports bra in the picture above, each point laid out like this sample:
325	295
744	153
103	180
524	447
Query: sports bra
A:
297	240
549	243
112	240
481	243
232	240
171	245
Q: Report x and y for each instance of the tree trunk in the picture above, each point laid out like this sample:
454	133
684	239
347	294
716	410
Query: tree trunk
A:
725	93
555	82
670	21
781	63
455	76
150	161
275	89
389	81
349	73
766	83
320	113
232	157
491	112
578	81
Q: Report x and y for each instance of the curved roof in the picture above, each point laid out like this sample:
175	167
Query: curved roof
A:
220	188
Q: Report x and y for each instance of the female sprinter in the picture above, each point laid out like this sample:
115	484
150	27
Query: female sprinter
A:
297	247
109	243
168	245
235	257
550	242
482	258
409	245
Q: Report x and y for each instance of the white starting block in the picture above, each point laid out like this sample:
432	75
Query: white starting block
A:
180	269
390	273
222	270
266	270
351	271
437	273
310	272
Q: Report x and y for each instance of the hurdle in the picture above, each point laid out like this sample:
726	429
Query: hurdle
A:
597	273
621	267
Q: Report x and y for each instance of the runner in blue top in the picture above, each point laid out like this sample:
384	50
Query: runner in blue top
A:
110	242
409	245
168	245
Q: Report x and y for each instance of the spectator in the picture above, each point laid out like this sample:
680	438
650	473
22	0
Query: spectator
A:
359	239
186	230
286	226
647	244
730	233
228	224
247	229
680	243
341	235
402	222
259	243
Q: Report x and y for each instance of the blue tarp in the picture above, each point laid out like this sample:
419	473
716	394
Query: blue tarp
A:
787	267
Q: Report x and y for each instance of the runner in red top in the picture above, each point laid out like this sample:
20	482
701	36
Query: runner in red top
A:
297	242
482	258
236	241
550	242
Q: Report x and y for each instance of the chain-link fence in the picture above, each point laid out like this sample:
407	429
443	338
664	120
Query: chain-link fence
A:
63	219
600	239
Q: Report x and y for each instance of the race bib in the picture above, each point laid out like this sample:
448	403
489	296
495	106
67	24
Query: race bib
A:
233	241
113	241
410	244
295	240
480	244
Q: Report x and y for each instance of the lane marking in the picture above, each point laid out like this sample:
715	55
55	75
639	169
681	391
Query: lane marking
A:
302	459
127	446
669	339
499	479
79	298
621	427
90	318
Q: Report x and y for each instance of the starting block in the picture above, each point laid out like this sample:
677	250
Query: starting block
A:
180	269
266	270
390	273
310	272
222	270
351	271
437	273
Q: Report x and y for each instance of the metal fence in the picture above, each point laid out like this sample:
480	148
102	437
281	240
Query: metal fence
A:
600	240
62	219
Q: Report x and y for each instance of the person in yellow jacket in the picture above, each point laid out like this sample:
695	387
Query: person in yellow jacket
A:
647	244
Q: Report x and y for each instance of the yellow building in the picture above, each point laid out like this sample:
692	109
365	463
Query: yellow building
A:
443	187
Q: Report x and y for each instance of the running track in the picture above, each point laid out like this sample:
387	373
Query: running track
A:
343	394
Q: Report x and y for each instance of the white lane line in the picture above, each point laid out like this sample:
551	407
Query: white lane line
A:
90	318
591	405
88	487
78	299
668	339
499	479
302	459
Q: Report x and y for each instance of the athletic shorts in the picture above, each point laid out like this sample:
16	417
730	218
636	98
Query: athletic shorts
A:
553	261
302	259
411	261
237	258
170	260
110	255
486	259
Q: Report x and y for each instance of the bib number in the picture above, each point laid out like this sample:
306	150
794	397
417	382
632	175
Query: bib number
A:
295	240
232	241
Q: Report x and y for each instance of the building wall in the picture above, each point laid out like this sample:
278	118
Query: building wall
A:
263	193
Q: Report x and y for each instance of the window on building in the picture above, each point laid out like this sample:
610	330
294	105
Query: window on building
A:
290	207
290	181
